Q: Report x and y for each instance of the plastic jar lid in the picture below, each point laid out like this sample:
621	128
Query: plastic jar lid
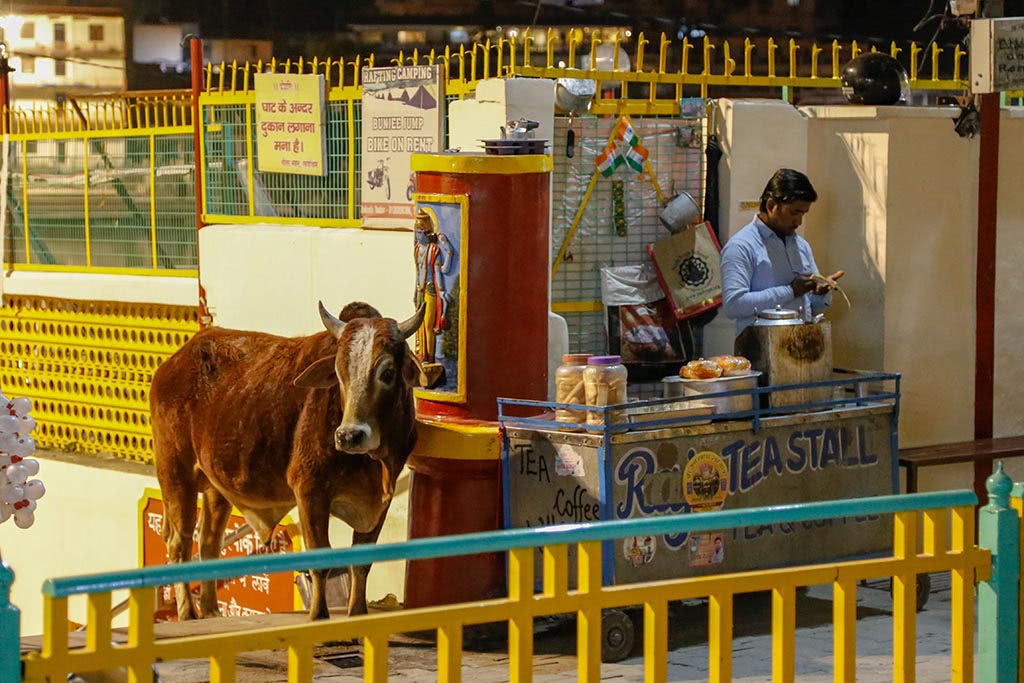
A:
604	360
575	358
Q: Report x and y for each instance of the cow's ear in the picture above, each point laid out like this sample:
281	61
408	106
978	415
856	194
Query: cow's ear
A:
413	369
318	375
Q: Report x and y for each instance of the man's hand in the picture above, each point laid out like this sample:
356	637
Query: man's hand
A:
803	284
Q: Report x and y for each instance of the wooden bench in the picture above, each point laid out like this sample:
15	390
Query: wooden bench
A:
963	451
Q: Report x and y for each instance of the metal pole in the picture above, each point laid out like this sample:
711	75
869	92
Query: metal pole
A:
196	50
985	283
998	598
10	629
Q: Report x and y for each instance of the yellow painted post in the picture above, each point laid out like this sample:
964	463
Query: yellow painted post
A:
55	628
222	668
904	597
783	633
962	598
351	160
85	200
520	626
655	641
152	198
300	663
250	180
815	53
935	531
720	637
556	570
141	604
844	630
748	49
588	619
449	653
772	45
24	199
375	659
97	630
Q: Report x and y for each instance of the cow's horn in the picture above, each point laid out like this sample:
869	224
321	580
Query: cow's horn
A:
408	327
333	325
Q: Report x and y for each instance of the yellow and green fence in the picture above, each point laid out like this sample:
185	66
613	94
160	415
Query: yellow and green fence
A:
102	187
933	532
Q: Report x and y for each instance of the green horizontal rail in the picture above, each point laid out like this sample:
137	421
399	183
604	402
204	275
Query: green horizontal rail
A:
499	541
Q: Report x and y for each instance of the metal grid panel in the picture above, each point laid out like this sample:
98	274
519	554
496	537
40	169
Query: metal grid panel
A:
106	219
175	192
87	367
280	195
677	158
226	182
119	194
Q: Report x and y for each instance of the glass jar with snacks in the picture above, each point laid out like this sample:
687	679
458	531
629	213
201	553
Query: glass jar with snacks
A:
605	383
569	387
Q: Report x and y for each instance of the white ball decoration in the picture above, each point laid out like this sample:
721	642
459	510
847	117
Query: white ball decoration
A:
24	518
35	490
19	406
18	491
9	423
23	446
27	426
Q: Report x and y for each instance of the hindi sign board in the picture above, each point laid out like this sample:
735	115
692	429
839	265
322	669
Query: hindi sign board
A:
290	123
997	54
244	596
403	113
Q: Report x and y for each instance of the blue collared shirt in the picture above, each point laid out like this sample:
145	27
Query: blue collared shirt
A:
757	267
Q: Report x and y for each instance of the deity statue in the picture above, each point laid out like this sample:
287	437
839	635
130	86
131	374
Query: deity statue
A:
433	254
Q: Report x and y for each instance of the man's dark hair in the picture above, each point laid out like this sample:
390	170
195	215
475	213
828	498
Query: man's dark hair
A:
787	186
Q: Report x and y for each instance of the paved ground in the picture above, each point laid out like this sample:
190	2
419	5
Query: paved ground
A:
485	660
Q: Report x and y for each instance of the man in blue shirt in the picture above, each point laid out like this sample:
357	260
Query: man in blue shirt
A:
766	264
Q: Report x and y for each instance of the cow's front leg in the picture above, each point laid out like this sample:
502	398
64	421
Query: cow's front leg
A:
314	517
358	574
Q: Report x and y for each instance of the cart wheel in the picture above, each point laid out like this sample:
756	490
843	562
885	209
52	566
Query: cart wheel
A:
617	635
924	588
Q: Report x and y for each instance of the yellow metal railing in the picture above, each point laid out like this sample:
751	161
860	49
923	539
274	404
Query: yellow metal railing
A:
960	556
87	367
705	64
103	186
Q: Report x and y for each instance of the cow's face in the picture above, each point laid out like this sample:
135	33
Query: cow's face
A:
374	370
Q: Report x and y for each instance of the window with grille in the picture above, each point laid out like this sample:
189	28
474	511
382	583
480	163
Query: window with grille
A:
28	65
60	67
59	34
95	32
28	30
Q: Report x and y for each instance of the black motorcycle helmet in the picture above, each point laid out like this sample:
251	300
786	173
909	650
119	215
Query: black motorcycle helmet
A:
874	78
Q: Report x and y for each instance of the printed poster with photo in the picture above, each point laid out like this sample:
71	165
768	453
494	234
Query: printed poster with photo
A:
403	114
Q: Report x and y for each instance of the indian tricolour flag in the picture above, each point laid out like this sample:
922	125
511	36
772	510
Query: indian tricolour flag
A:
634	153
609	159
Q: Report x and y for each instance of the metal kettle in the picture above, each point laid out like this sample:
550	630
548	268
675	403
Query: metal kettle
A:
776	317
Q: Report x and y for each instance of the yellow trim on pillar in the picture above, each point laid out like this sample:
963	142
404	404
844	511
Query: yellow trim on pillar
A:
454	441
482	163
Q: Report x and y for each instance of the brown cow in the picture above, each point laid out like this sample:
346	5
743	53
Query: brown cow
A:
257	421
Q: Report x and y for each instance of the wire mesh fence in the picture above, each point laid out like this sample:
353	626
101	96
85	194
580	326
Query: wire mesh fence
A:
102	201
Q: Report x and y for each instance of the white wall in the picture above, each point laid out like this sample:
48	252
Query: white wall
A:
177	291
269	278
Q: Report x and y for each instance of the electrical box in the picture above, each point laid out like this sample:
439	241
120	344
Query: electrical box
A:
997	54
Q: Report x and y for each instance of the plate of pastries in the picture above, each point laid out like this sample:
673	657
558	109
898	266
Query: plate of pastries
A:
716	367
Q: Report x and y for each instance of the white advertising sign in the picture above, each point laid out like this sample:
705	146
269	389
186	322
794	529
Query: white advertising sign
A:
403	113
